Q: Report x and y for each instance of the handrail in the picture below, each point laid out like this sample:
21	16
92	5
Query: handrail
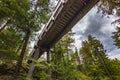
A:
52	18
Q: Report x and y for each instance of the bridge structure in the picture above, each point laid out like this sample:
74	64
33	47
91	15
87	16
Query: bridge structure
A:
64	17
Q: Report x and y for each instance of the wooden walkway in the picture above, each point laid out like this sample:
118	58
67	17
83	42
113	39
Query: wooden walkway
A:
65	16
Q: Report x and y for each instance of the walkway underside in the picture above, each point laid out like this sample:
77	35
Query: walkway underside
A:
65	16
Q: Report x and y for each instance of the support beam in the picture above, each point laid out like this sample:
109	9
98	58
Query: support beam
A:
48	56
48	61
32	65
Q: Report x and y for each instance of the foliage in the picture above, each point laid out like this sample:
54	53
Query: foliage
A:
25	19
7	71
109	7
98	67
10	40
116	37
112	7
93	59
114	67
64	61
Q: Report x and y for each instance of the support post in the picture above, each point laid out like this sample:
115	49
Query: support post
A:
32	65
48	56
48	61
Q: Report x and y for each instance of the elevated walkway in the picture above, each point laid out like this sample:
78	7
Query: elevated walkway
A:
65	16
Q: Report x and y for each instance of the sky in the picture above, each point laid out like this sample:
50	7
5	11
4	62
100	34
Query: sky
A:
99	26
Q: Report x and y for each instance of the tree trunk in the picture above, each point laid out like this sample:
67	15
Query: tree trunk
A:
48	56
103	63
19	63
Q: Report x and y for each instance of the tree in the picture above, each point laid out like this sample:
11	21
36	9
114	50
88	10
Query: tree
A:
26	17
109	7
100	53
63	60
10	40
60	55
35	18
93	55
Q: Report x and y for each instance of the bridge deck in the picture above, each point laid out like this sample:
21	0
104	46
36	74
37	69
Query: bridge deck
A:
65	16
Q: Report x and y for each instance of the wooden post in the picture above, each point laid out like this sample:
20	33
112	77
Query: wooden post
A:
32	67
48	61
48	56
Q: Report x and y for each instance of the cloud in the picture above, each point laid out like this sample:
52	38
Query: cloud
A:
114	54
96	25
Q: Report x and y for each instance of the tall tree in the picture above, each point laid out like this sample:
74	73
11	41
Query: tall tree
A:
26	17
93	53
63	59
35	18
99	51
